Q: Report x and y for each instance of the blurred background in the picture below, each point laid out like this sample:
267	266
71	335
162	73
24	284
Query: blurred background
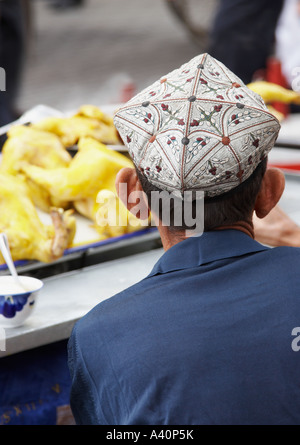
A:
101	51
65	53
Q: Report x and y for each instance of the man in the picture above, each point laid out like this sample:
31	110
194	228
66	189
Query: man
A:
206	337
12	43
243	34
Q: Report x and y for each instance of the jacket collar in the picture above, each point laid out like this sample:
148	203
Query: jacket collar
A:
210	246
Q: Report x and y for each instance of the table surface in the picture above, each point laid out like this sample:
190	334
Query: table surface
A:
67	297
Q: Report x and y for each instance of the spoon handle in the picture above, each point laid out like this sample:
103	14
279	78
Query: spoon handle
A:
4	247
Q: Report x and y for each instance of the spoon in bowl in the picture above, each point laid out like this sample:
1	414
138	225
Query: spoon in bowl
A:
5	250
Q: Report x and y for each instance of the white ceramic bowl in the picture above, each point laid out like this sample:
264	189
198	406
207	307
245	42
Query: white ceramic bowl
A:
16	305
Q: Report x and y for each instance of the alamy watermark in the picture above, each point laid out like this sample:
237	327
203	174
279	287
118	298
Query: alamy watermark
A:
296	341
295	84
2	339
2	79
185	211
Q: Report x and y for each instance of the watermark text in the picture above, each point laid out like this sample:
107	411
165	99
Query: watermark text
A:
296	341
185	211
2	79
295	84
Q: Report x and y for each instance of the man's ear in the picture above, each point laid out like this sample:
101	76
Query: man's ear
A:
272	187
130	192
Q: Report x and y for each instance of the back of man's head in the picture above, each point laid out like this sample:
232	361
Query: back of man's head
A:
223	210
199	128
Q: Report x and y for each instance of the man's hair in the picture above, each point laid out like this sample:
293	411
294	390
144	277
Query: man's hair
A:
226	209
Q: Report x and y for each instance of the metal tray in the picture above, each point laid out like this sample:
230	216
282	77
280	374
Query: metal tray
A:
91	254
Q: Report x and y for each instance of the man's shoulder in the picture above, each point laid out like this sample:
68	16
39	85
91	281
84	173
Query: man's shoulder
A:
281	260
278	262
282	252
113	306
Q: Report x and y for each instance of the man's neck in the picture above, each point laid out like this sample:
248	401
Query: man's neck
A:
170	238
243	226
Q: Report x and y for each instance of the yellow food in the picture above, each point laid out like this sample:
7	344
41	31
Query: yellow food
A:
37	171
28	237
92	170
112	217
89	121
93	167
271	92
33	146
93	112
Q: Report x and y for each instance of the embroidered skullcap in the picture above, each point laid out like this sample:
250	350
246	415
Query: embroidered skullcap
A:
197	128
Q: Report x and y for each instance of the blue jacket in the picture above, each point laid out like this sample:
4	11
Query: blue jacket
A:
207	338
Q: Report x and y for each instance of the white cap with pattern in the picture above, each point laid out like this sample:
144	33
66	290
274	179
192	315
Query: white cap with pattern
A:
197	128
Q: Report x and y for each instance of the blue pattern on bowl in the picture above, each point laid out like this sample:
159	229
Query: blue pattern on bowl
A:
11	304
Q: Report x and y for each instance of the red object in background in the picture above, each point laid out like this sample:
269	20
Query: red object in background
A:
281	165
274	74
127	92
